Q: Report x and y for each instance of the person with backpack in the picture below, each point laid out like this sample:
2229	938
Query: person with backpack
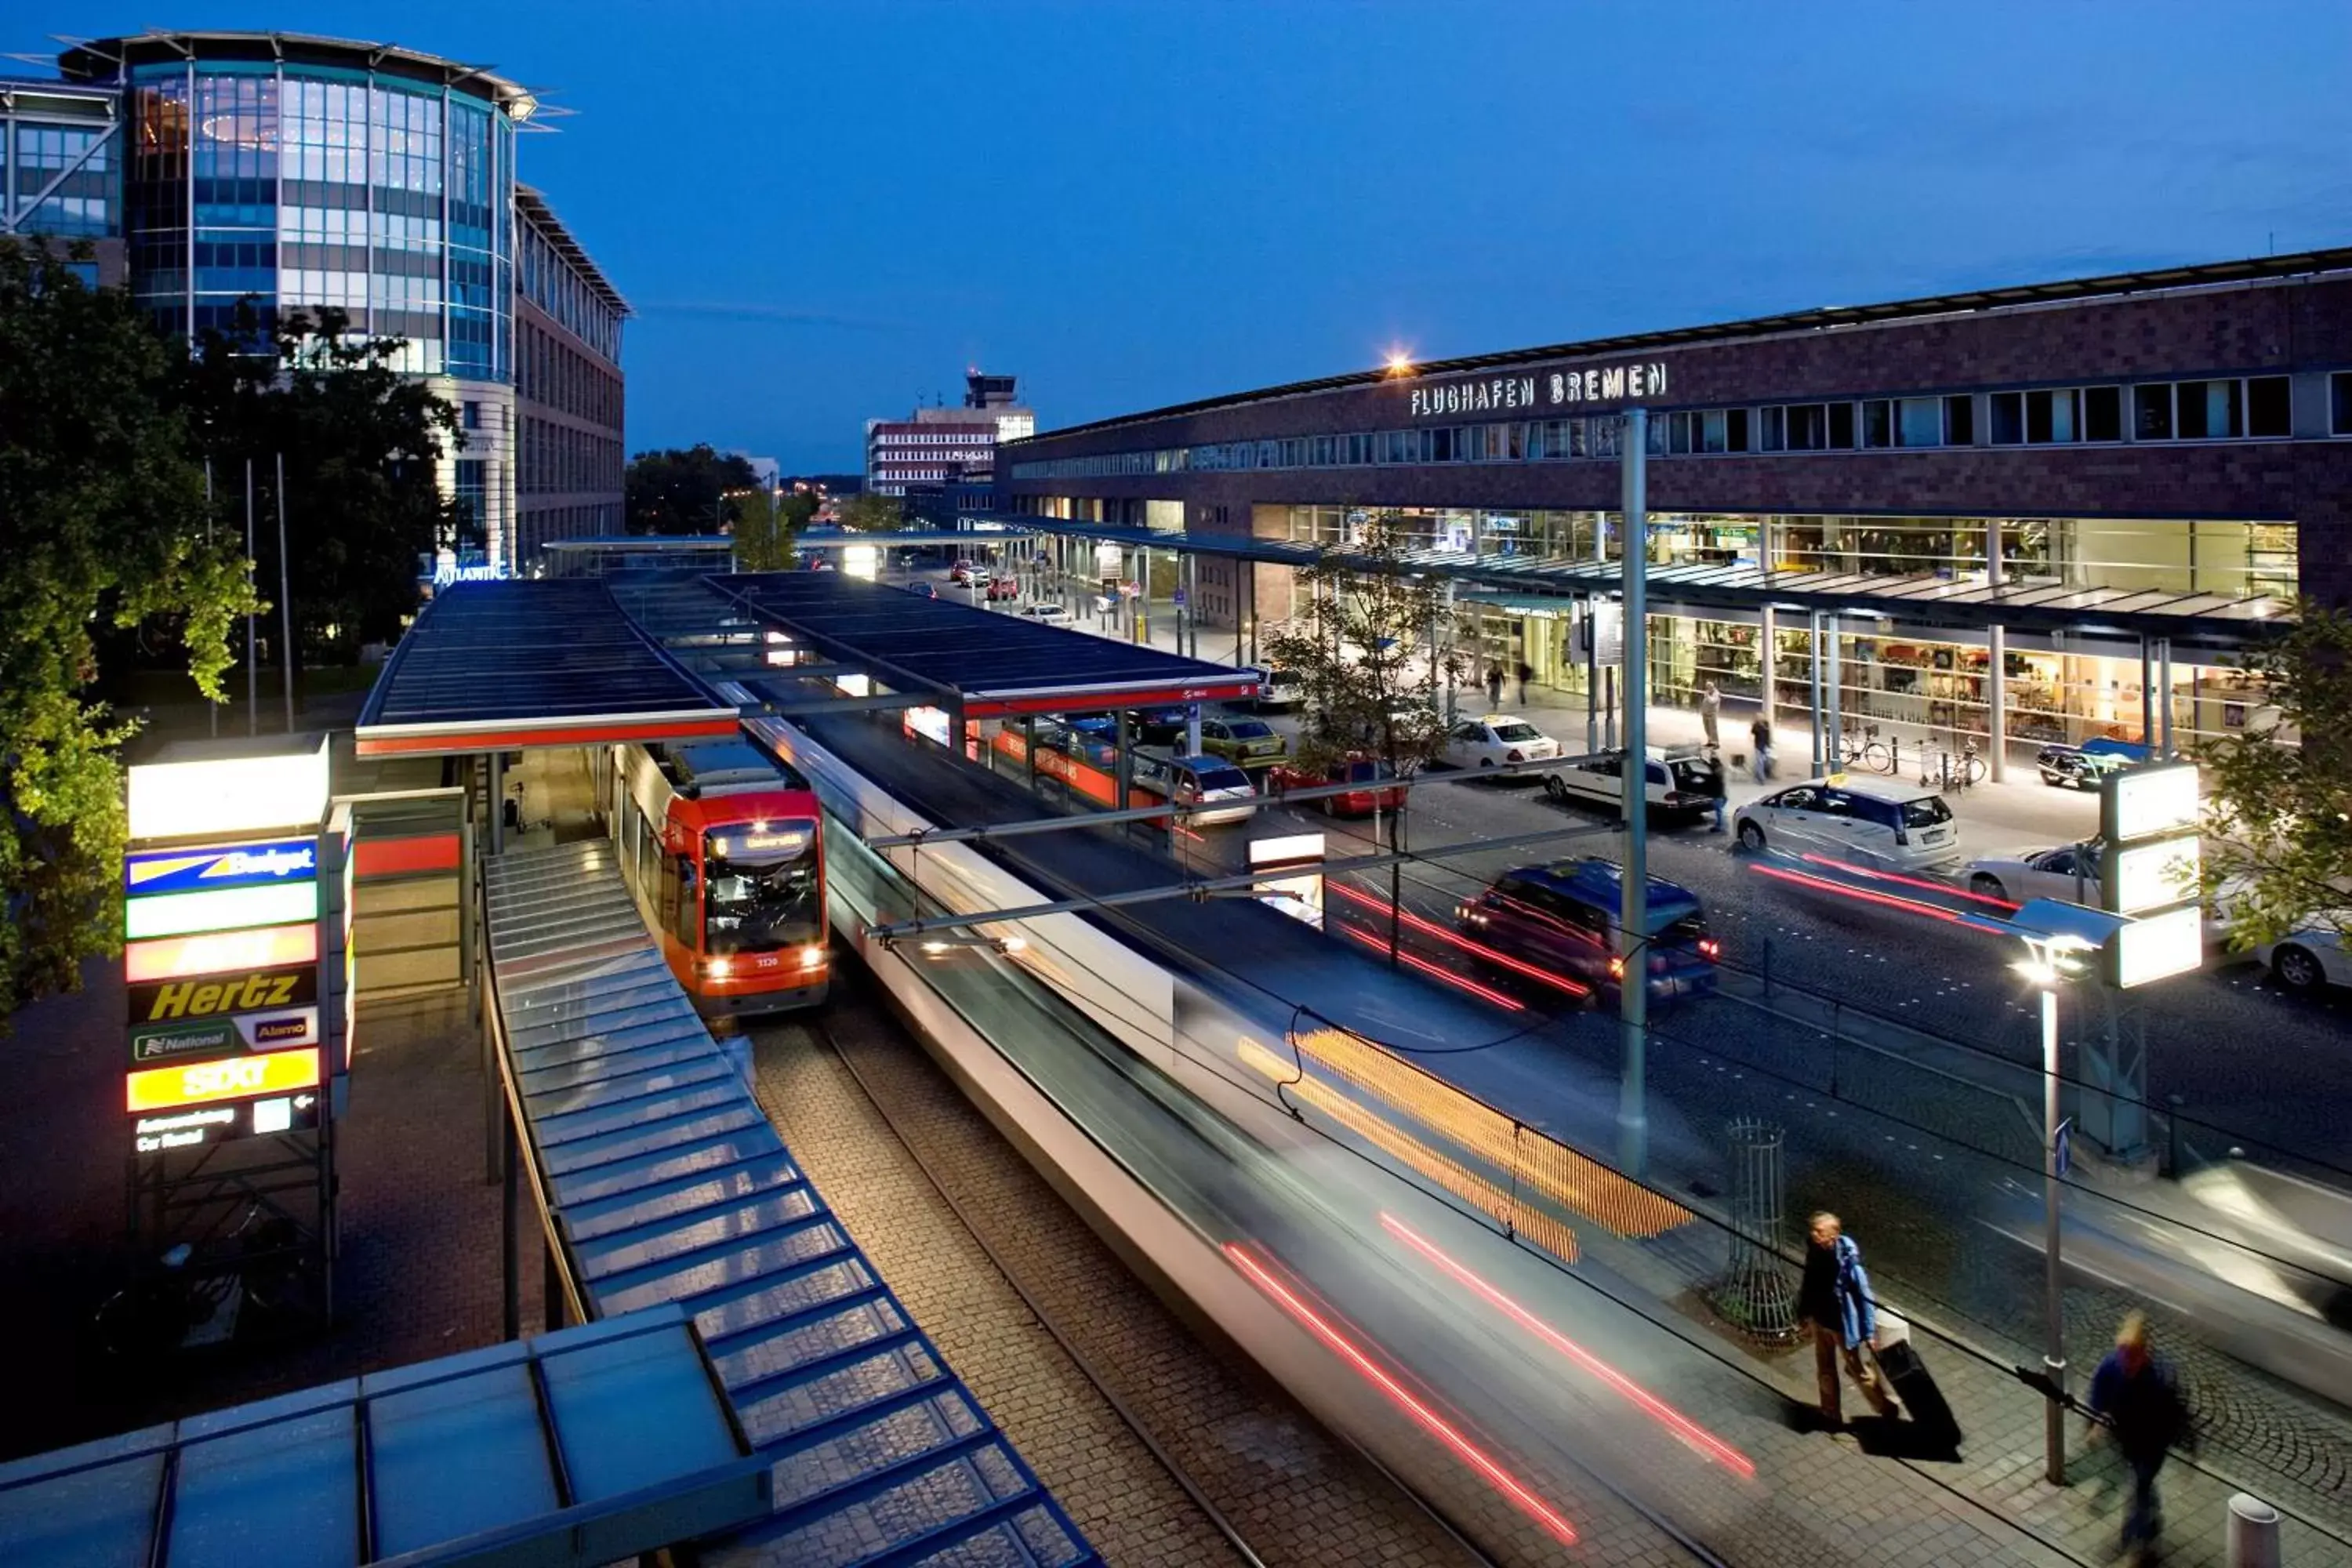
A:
1835	1299
2136	1396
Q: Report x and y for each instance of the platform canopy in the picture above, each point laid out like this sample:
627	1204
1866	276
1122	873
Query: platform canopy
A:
991	663
498	667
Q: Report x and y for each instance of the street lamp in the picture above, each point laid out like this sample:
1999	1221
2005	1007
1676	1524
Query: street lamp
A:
2060	939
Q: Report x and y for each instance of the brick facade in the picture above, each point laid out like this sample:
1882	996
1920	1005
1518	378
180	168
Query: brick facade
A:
2298	325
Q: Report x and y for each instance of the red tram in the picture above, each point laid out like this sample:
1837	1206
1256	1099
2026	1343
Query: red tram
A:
721	847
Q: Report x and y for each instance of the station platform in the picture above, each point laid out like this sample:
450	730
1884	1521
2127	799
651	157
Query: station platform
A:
666	1184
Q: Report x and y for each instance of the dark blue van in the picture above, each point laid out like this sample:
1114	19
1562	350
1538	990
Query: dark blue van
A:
1564	918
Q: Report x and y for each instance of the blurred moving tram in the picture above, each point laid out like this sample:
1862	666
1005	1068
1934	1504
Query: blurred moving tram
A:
719	844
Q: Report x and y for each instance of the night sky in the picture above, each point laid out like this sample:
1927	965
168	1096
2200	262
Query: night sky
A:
825	212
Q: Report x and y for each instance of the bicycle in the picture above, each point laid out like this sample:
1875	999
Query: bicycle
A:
1953	770
1869	752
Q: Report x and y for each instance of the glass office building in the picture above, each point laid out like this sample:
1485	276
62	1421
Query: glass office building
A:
301	172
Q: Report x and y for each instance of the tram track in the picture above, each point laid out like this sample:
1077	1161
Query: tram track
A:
1265	1481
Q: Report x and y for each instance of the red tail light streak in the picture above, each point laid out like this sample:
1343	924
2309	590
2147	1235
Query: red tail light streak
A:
1681	1426
1246	1259
1483	992
1861	895
1418	923
2008	906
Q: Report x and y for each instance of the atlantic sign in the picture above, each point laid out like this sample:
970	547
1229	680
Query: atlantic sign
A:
1554	389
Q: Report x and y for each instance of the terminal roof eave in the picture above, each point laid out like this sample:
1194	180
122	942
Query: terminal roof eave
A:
990	663
498	667
1957	604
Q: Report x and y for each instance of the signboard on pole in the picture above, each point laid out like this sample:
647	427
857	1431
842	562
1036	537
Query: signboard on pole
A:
1602	634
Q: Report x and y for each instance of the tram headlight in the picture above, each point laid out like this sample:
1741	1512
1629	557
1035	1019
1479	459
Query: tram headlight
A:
718	968
813	957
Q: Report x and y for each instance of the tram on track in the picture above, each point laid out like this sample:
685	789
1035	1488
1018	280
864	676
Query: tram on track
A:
721	847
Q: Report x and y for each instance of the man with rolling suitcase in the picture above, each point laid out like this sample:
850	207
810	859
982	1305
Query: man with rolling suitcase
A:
1834	1300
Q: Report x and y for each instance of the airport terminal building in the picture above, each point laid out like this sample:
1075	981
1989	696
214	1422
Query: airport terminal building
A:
1989	506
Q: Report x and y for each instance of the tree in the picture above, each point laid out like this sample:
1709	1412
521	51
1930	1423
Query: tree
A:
867	512
1370	652
362	444
2278	811
764	531
685	490
102	508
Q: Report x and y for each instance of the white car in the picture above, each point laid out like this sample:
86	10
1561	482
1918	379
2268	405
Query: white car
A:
1497	740
2037	874
1887	824
1051	615
2307	960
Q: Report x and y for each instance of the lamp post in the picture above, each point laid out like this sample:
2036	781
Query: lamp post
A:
2054	957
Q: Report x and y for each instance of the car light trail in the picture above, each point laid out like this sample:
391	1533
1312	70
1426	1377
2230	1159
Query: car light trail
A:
1865	895
1485	992
1666	1415
1244	1259
1944	888
1420	923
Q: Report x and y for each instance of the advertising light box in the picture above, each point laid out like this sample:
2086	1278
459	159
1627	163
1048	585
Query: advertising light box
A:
231	794
2152	948
201	1125
214	996
283	1029
2145	801
2153	875
276	861
228	1077
176	914
216	953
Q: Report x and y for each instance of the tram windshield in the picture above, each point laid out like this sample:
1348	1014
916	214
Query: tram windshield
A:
760	889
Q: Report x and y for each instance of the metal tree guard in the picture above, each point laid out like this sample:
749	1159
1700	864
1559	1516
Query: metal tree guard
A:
1755	1294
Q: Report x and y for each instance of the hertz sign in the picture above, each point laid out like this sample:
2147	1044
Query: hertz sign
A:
227	901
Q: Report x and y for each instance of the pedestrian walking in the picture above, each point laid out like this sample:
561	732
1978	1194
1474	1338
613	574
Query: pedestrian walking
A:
1710	713
1711	780
2136	1393
1495	686
1836	1300
1760	732
1527	673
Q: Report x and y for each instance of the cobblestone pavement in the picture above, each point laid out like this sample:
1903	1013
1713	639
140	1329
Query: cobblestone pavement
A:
1289	1490
419	1277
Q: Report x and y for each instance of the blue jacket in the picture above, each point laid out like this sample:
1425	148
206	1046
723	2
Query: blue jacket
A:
1860	1318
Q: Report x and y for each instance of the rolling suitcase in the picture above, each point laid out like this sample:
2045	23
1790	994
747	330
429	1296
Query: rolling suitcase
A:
1915	1388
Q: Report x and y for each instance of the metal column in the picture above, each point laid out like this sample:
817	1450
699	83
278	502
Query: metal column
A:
1192	729
1188	619
1814	642
1633	904
497	802
2053	1355
2164	679
1768	638
1997	651
1833	693
2147	695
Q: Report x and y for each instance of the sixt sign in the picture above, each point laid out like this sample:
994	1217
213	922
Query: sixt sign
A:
244	1032
215	997
244	866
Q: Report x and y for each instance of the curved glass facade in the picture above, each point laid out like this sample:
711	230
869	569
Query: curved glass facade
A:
305	184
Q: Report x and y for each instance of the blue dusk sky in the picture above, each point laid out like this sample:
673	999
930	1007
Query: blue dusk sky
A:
825	212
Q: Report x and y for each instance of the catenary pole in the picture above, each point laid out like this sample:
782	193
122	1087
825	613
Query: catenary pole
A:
285	599
252	671
212	709
1634	798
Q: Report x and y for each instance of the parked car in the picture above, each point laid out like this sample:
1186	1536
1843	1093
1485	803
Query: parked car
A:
1564	918
1678	785
962	572
2307	960
2072	872
1163	726
2083	766
1277	689
1496	741
1379	790
1249	743
1004	588
1202	780
1050	615
1881	822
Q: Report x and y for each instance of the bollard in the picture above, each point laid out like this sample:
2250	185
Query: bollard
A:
2254	1533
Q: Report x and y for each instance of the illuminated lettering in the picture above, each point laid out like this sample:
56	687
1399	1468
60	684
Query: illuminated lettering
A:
1633	381
1592	386
207	999
1612	382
